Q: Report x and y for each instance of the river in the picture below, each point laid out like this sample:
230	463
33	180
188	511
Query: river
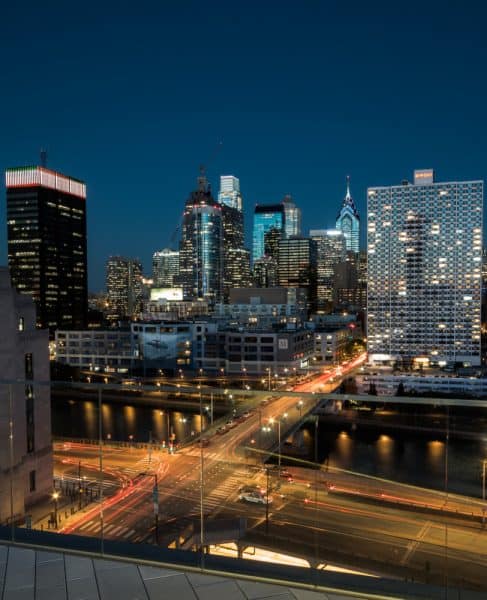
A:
401	456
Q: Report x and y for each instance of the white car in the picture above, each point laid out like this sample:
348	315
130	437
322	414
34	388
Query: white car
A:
255	497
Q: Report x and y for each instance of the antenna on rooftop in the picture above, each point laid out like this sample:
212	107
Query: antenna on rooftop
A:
43	158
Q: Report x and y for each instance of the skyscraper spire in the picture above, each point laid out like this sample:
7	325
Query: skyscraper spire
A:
348	197
348	220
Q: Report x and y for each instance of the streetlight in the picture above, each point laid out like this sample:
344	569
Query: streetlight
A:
55	497
300	408
269	374
278	421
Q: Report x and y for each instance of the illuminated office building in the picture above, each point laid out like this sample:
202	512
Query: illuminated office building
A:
266	217
46	224
331	250
124	288
235	258
165	267
348	221
297	266
201	246
229	193
292	217
424	271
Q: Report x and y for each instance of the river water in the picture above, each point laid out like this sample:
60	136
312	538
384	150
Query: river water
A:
401	456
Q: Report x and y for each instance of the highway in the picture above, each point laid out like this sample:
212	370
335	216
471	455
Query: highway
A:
363	522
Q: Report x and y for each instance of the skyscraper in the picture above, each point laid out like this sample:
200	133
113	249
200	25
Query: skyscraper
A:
201	246
165	267
348	221
424	270
235	259
292	217
266	217
331	250
297	266
124	287
46	219
229	193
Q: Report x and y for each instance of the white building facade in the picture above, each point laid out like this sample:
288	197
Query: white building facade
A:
424	271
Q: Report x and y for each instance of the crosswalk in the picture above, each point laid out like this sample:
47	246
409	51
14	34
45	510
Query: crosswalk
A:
220	494
141	466
93	528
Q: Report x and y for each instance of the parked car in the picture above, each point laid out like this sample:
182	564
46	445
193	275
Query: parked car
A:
255	497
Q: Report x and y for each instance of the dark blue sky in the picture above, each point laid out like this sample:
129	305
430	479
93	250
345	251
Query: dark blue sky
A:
132	97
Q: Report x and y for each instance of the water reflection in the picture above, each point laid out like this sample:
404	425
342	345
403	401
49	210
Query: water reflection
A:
124	422
402	456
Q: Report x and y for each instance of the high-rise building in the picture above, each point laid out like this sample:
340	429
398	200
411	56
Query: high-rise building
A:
201	246
264	272
331	250
348	221
25	408
229	193
272	237
124	287
46	221
292	217
297	266
266	217
349	285
424	270
165	267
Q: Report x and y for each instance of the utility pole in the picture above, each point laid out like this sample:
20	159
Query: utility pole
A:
155	499
150	446
267	503
79	485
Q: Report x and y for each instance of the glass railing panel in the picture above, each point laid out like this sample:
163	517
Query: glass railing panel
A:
339	484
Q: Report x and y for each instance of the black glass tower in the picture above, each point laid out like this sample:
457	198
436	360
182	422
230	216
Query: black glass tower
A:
46	222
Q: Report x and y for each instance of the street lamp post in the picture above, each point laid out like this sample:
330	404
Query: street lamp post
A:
269	378
155	498
79	484
267	503
300	408
55	497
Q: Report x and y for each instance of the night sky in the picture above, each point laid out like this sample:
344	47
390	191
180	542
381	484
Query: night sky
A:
288	96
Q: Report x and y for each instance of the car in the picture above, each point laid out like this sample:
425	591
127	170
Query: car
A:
256	498
205	442
246	414
230	424
286	475
250	488
221	430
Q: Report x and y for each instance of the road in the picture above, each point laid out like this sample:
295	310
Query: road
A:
365	522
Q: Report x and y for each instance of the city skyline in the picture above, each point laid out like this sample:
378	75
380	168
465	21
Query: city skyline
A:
322	92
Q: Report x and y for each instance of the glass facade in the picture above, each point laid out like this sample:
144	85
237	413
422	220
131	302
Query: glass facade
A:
348	221
165	267
266	217
331	250
292	217
201	247
424	271
229	193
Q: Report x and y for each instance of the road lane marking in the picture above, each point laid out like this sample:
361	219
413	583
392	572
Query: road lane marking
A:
413	544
